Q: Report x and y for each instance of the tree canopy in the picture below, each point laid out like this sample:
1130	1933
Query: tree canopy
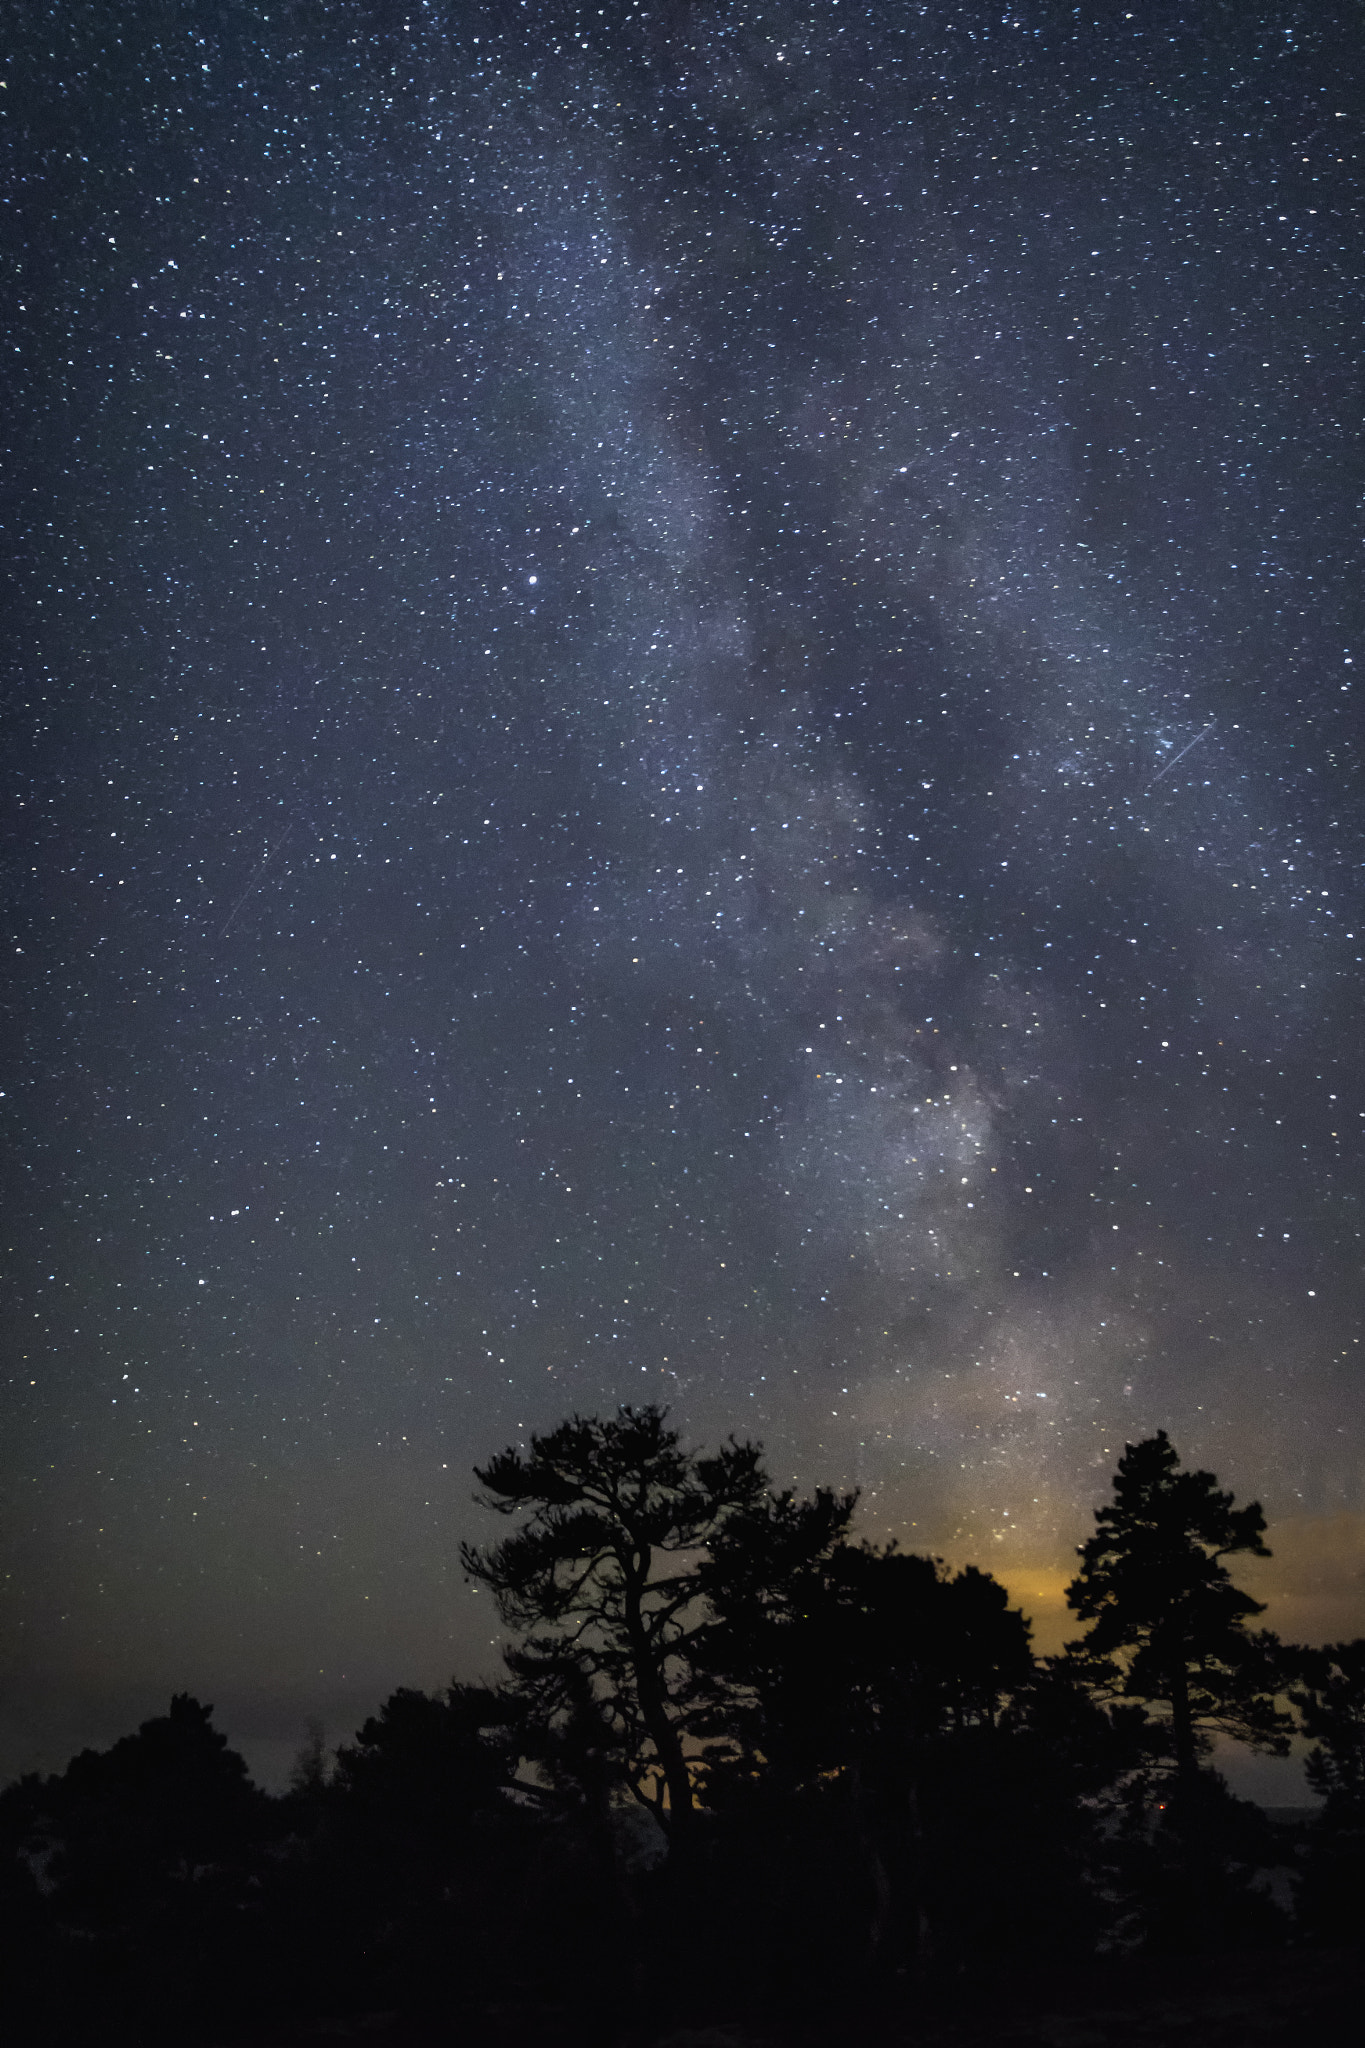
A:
601	1581
740	1760
831	1650
1167	1625
1330	1698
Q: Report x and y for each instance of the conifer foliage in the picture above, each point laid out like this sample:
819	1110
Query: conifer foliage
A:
1167	1625
741	1762
600	1581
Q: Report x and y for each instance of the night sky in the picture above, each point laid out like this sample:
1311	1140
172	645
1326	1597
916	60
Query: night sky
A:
681	724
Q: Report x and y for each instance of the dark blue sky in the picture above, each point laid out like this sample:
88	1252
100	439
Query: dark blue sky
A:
680	722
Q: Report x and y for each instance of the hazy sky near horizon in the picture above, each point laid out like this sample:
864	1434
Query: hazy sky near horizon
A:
681	723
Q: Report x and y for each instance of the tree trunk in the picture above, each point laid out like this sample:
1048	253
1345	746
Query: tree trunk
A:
649	1690
880	1920
1182	1732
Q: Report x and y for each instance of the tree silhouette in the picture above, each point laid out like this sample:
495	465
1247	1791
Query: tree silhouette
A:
1330	1699
899	1798
422	1777
309	1772
601	1583
170	1807
836	1648
1167	1625
776	1682
863	1689
149	1856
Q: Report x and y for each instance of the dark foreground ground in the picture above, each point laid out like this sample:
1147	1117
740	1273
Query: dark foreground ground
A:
1290	1999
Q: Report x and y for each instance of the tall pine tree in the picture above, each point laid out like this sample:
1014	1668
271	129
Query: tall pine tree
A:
601	1584
1167	1625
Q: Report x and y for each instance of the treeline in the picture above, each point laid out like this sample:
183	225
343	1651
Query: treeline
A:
740	1763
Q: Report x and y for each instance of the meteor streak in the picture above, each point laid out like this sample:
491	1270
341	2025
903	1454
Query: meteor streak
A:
1181	755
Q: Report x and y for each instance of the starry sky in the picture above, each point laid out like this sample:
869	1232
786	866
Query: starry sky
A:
680	723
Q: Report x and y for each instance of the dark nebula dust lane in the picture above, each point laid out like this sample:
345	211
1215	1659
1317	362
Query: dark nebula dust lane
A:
680	723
